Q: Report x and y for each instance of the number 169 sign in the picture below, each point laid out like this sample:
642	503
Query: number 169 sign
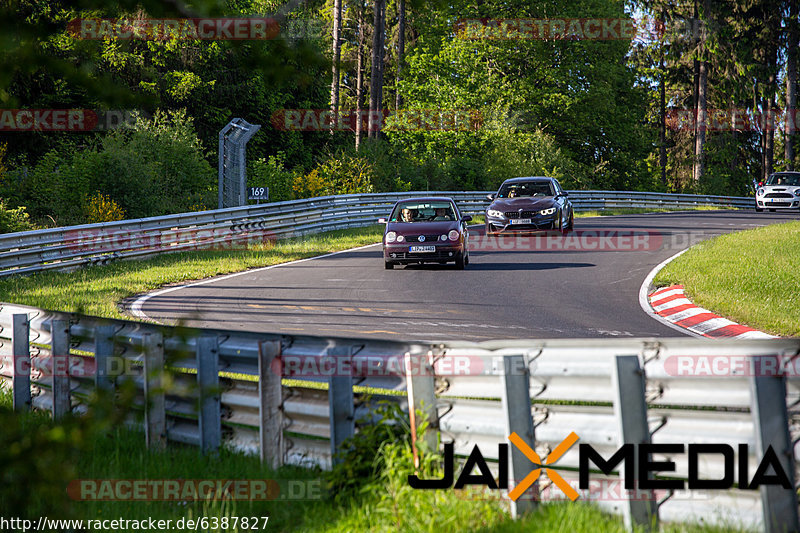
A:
258	193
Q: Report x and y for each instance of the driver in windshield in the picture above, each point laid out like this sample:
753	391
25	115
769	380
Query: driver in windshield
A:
442	214
407	215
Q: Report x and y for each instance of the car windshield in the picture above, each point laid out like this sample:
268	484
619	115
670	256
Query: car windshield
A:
792	180
525	188
423	212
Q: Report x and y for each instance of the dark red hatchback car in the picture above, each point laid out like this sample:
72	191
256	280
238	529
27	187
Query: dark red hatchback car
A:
426	230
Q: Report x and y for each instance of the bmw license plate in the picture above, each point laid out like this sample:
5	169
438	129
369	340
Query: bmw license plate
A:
417	249
520	221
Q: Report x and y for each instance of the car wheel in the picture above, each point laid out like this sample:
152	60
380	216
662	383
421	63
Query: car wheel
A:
758	209
388	265
466	259
460	262
557	223
571	221
489	230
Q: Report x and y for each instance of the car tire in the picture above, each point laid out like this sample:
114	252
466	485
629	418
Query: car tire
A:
460	262
557	223
466	258
388	265
488	230
758	209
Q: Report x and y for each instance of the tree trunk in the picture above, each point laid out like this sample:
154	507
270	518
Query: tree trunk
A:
791	86
700	141
376	77
662	133
401	49
360	73
337	54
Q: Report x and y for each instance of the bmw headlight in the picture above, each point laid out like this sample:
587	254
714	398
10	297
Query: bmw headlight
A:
546	212
494	213
391	237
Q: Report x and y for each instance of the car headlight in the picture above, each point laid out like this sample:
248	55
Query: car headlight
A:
546	212
391	237
760	192
494	213
453	235
443	238
797	192
400	238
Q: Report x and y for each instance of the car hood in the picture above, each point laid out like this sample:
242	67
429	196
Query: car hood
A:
422	228
780	188
526	204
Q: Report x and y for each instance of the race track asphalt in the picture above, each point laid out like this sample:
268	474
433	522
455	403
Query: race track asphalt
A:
527	286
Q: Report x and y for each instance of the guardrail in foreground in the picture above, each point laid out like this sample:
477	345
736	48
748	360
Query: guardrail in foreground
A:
74	246
608	391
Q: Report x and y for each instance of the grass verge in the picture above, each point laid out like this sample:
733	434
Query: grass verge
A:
614	211
750	277
97	290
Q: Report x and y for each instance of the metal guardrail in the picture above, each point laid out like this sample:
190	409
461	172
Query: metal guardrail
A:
88	244
608	391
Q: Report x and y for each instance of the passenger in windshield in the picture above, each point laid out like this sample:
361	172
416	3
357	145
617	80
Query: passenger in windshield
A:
407	215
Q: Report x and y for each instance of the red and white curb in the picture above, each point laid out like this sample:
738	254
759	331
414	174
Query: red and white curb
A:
672	305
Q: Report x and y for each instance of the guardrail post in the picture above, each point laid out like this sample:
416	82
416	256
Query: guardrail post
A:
103	354
155	415
59	352
771	420
630	409
270	393
340	403
20	349
421	397
210	419
517	408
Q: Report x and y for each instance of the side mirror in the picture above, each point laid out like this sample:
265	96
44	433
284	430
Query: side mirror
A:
382	220
565	193
490	197
467	218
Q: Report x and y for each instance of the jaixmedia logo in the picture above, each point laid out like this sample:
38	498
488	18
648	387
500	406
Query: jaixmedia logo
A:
736	469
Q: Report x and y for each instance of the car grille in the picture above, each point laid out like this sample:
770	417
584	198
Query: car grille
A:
517	214
438	254
428	238
778	195
779	204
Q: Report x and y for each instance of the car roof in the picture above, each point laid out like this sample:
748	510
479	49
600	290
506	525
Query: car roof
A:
530	178
785	173
427	199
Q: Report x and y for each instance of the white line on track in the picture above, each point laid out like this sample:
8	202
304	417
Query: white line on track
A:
136	307
645	305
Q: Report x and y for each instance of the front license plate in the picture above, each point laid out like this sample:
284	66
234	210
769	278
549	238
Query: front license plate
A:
520	221
422	249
